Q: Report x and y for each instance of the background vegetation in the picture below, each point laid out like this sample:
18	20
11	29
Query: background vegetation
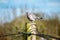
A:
50	27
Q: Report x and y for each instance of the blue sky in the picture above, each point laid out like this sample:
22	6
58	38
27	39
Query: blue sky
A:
51	5
42	5
46	6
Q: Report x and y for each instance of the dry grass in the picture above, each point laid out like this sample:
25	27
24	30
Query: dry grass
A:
51	27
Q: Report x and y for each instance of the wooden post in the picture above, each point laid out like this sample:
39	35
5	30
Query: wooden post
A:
32	29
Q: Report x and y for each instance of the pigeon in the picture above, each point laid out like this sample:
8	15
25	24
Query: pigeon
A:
32	17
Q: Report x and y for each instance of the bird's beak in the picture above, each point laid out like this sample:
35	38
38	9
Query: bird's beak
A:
41	18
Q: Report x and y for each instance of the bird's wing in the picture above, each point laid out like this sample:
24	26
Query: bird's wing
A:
34	16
